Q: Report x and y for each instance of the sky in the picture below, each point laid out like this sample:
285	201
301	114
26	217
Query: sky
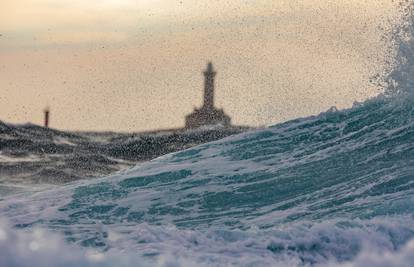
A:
135	65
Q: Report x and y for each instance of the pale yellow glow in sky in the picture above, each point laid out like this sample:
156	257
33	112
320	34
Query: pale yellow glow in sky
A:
133	65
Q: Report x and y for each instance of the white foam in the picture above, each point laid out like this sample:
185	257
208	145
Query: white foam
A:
373	245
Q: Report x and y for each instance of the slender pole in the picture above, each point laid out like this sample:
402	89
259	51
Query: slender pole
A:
47	112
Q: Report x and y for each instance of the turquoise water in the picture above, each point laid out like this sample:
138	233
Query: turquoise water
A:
310	191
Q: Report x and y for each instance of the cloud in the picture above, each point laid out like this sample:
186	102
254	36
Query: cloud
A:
78	21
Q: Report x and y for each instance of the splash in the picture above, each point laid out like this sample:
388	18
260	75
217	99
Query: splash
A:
400	78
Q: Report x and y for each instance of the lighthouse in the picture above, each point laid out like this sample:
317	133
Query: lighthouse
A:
208	114
209	76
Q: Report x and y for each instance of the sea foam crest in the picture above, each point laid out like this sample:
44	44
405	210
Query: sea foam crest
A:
319	245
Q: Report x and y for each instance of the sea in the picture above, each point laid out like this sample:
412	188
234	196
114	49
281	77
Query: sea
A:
333	189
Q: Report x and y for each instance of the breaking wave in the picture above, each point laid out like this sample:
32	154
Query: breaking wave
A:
335	189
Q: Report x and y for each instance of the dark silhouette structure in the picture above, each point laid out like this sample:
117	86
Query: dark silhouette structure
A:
47	112
207	114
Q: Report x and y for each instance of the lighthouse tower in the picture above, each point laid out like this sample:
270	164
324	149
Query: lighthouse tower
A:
208	114
209	76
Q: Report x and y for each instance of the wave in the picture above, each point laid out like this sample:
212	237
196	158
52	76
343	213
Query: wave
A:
321	190
335	189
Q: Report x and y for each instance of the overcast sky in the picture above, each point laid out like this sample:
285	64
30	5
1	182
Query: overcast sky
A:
132	65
